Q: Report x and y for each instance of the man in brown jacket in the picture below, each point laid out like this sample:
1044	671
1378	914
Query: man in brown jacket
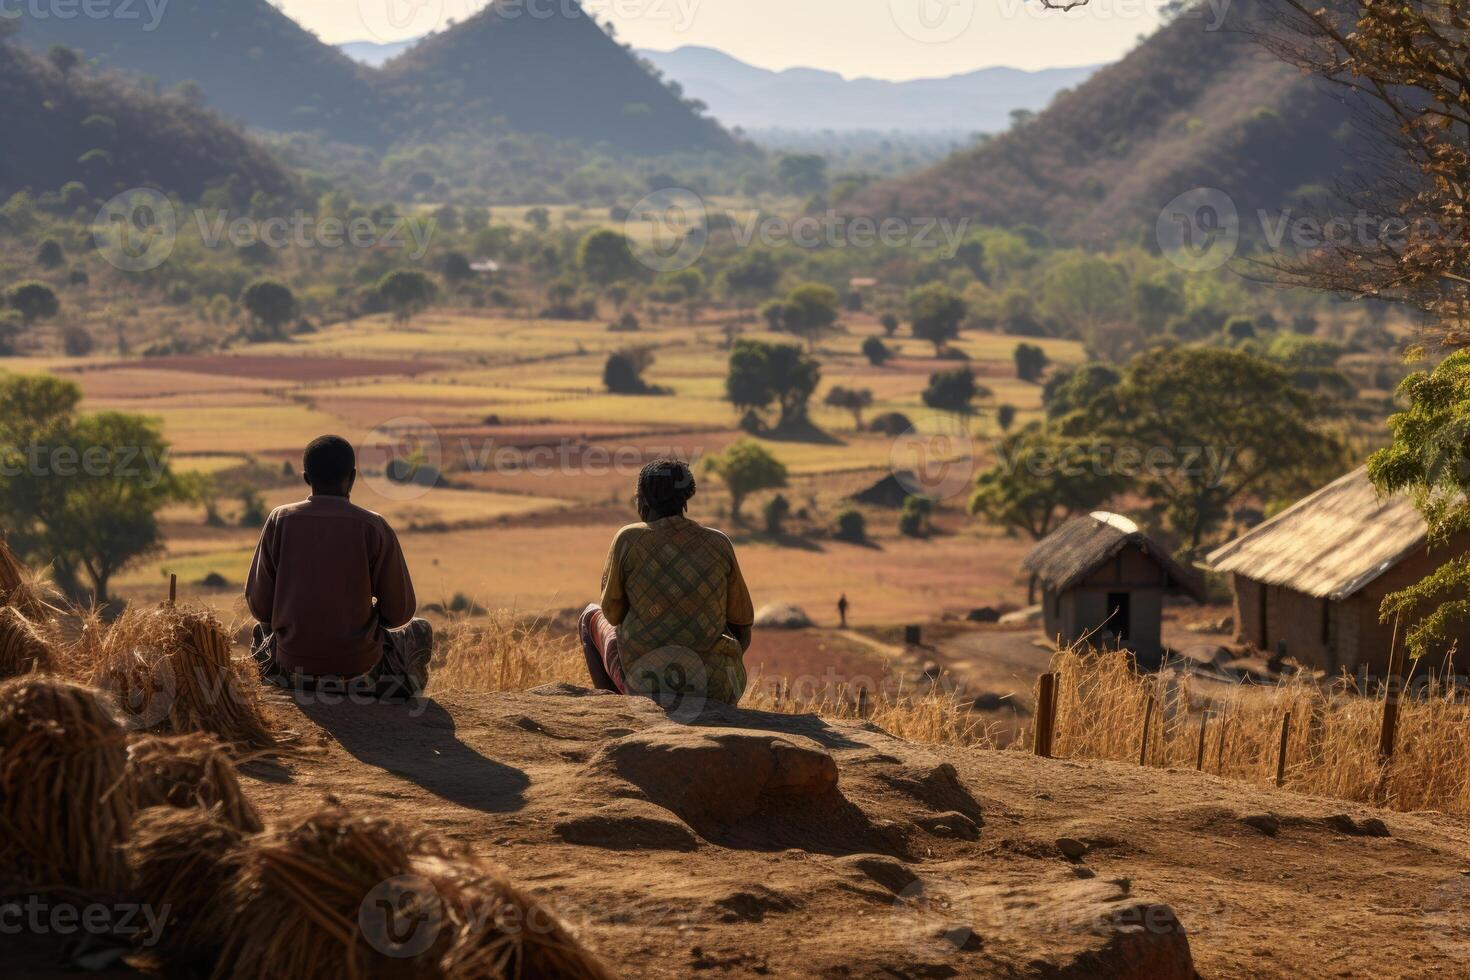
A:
331	590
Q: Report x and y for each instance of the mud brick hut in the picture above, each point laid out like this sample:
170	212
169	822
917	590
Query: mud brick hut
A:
1310	581
1104	579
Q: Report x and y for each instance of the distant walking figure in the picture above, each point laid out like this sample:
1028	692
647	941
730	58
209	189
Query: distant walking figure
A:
674	603
331	590
842	610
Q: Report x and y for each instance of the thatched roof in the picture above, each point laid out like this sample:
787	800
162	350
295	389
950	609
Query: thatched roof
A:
1072	552
1329	545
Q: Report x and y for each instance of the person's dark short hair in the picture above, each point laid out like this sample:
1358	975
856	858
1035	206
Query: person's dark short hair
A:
328	461
665	487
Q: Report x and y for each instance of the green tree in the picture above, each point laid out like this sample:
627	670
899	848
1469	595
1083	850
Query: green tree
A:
271	304
760	373
851	526
1031	361
1233	424
775	512
34	301
811	309
1040	478
854	400
50	255
1088	293
954	391
913	519
539	218
1429	459
80	492
802	173
406	292
606	257
876	352
623	372
889	323
746	468
1070	391
63	59
936	312
753	274
1005	417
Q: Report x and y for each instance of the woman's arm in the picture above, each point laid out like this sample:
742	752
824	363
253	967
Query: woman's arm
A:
741	633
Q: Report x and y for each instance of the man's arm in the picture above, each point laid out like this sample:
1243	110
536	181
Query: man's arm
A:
260	586
392	585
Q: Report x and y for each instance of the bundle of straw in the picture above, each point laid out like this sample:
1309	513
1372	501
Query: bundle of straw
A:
305	900
501	932
299	892
189	771
23	650
64	808
182	861
19	589
170	669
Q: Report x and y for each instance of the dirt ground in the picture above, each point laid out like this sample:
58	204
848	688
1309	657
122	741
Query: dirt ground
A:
611	813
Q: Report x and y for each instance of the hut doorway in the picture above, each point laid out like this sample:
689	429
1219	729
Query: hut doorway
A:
1120	615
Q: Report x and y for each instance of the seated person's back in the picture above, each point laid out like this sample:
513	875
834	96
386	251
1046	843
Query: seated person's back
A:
672	589
319	567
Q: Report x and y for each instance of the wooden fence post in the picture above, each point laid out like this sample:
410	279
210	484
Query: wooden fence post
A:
1220	752
1281	757
1046	715
1387	733
1199	759
1148	716
173	589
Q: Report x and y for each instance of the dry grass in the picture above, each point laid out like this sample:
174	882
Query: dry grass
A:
504	652
189	771
171	671
304	901
64	808
1332	747
183	861
24	649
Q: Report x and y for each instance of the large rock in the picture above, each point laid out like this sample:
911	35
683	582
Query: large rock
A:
783	616
749	789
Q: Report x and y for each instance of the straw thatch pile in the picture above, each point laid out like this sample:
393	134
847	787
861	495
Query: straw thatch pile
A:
20	589
23	647
189	771
311	901
183	860
171	671
64	807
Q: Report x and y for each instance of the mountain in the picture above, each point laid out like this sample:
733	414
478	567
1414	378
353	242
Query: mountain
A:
561	76
253	62
739	94
1197	105
375	54
111	136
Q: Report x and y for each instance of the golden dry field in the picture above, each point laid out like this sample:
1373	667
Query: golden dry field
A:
537	461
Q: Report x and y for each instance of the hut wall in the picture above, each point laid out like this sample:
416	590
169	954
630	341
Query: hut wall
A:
1376	639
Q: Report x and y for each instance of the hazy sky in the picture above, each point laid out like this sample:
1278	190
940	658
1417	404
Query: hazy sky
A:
880	38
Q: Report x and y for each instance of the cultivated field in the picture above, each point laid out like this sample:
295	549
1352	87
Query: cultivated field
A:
538	461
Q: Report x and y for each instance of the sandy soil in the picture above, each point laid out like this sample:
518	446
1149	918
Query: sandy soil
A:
610	812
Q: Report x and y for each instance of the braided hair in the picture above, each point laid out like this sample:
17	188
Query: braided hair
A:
664	489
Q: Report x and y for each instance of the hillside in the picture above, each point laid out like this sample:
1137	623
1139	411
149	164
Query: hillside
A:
110	137
740	94
1190	107
750	844
254	63
561	76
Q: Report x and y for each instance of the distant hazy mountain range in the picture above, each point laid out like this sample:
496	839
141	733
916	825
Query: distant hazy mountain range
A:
743	95
740	94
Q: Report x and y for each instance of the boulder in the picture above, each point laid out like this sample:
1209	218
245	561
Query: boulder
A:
778	615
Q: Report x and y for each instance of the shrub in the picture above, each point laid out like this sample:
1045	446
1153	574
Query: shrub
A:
913	520
851	526
776	510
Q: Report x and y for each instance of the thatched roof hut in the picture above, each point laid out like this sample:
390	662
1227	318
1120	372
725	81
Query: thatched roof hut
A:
1309	582
1105	581
1330	545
